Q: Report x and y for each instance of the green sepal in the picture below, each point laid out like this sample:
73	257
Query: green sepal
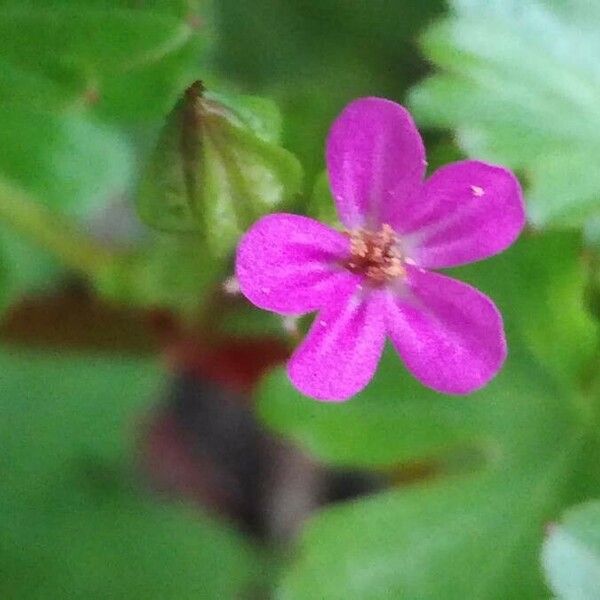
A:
217	168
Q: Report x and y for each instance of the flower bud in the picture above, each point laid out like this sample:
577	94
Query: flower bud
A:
217	167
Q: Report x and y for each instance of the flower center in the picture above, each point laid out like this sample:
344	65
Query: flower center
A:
375	255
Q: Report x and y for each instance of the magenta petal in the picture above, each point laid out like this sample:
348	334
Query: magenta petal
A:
449	334
375	160
340	354
467	211
290	264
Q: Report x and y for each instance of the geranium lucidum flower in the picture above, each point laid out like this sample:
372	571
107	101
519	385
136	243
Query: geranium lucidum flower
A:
373	280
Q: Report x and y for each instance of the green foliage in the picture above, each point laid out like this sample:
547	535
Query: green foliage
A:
217	168
82	88
519	82
392	420
571	554
23	269
110	58
535	426
66	162
170	271
77	528
51	165
64	73
246	321
315	57
539	285
59	64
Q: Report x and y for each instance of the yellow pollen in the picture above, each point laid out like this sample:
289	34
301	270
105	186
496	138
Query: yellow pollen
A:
375	254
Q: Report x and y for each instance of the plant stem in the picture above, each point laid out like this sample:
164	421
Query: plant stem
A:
53	232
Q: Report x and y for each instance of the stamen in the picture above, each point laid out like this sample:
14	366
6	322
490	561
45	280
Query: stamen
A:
375	254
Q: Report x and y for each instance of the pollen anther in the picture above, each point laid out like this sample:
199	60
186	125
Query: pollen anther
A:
375	254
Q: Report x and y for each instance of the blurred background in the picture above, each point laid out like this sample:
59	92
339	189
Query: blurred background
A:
150	443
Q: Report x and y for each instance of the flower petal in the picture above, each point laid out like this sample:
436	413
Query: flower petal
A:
290	264
375	160
340	354
467	211
449	334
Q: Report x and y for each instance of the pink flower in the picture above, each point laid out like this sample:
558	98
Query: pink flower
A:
372	280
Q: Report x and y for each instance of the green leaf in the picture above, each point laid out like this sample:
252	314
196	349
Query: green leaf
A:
121	546
481	534
571	555
79	527
527	445
95	41
391	421
23	269
56	408
173	8
216	169
66	162
539	284
321	56
516	96
123	62
19	88
147	91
